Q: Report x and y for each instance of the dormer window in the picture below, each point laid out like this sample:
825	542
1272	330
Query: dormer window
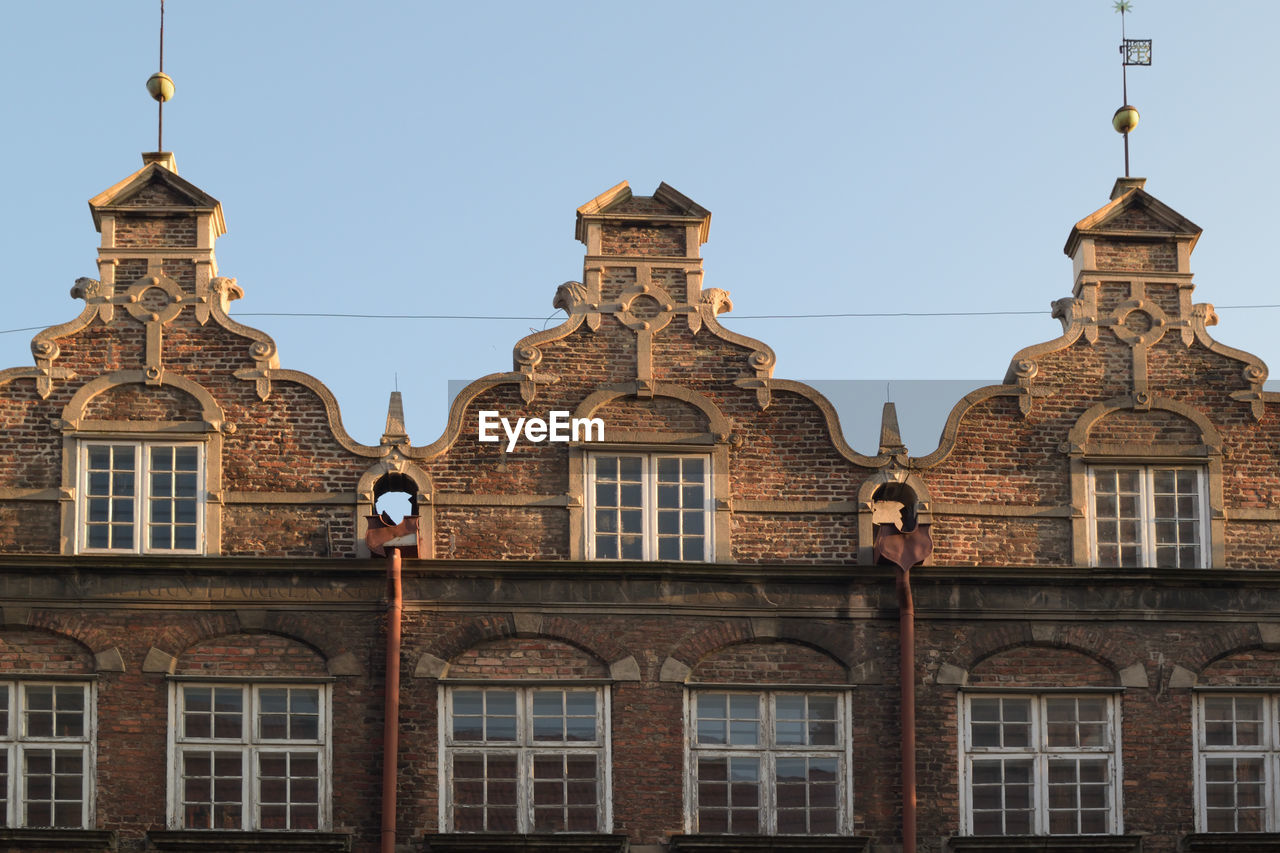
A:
649	506
141	497
1148	516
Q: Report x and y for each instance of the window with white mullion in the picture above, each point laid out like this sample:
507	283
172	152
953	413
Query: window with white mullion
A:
649	507
45	755
1238	760
141	497
528	759
1040	765
1148	516
250	757
768	762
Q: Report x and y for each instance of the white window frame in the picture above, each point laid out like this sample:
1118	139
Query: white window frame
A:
649	474
1267	751
1040	754
768	751
15	743
249	745
1147	512
525	750
142	498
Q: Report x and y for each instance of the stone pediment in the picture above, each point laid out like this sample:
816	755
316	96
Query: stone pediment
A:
1133	212
154	188
666	204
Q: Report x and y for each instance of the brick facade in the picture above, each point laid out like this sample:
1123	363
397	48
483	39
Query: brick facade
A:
279	590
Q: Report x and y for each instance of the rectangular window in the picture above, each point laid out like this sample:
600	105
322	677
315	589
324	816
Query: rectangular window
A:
771	763
1237	762
1148	516
527	759
1040	765
46	754
250	757
141	497
648	506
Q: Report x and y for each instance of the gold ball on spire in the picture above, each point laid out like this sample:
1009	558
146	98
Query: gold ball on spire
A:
160	86
1125	119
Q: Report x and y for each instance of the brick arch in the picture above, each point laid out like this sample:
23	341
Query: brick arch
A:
769	660
1248	666
43	650
833	643
1044	665
251	654
1106	651
486	629
68	624
1228	640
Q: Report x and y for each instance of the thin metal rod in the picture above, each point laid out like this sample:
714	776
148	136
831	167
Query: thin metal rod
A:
160	104
1126	155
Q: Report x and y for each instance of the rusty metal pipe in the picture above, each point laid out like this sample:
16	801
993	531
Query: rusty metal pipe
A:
391	703
907	675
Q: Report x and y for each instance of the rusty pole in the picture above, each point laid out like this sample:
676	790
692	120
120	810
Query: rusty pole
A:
907	676
391	703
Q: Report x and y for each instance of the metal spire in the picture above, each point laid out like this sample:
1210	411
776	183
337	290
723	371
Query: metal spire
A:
160	85
1132	52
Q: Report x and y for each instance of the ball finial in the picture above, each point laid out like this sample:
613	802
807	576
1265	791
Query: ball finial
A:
160	86
1125	119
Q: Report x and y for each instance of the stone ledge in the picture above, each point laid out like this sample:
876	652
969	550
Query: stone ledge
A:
769	843
1231	842
482	842
57	839
1051	843
222	841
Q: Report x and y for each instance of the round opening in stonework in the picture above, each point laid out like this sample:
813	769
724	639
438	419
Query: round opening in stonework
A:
154	299
1138	322
645	308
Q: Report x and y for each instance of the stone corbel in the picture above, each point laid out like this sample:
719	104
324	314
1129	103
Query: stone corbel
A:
262	352
527	359
46	352
1255	375
712	302
591	287
97	294
1025	371
220	289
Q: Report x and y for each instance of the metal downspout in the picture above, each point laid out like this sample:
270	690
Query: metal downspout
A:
907	676
391	704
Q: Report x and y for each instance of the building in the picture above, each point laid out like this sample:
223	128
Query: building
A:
675	635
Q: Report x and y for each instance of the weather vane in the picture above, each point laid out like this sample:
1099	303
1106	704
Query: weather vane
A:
1132	52
160	85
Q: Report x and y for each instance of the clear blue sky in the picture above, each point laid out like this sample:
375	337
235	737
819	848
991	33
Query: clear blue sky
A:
427	158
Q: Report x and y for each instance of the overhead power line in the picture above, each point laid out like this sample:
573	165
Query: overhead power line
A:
492	317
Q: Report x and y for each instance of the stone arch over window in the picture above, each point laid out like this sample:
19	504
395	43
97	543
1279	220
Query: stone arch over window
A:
177	410
1169	435
399	475
681	422
892	482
